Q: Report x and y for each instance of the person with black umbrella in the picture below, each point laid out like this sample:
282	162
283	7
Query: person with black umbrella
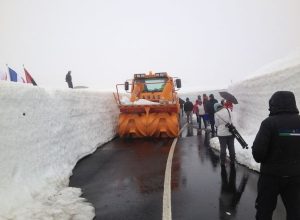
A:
228	97
229	100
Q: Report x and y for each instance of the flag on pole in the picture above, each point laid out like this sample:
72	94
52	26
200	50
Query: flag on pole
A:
29	78
14	76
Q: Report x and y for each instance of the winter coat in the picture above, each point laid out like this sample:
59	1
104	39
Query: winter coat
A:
68	77
205	100
277	143
228	105
188	106
221	119
198	108
210	106
195	108
201	110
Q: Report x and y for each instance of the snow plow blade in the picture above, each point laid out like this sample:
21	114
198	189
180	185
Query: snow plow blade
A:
146	121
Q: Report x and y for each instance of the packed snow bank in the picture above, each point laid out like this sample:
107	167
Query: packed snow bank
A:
43	134
253	95
292	60
125	100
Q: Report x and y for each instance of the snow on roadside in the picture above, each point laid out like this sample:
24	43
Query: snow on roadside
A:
253	95
43	135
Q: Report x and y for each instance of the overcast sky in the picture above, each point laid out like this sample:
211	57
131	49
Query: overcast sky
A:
208	44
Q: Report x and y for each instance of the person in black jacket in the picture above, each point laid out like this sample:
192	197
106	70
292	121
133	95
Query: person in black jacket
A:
69	79
211	112
277	148
188	109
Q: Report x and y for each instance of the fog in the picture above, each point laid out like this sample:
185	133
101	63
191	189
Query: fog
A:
106	42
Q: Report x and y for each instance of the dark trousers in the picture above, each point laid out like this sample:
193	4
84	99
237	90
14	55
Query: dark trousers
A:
199	121
70	84
227	141
189	116
269	187
212	123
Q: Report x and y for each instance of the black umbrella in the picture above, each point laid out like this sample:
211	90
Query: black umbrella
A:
229	97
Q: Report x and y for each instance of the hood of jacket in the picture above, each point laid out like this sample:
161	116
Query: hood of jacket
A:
282	102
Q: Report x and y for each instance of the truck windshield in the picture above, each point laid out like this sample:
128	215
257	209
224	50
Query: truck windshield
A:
154	85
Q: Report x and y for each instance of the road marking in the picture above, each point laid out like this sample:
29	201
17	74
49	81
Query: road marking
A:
167	209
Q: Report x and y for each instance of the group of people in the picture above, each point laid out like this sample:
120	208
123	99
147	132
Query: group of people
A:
276	147
204	109
218	116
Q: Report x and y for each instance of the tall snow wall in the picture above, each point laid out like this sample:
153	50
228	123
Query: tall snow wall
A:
253	95
43	134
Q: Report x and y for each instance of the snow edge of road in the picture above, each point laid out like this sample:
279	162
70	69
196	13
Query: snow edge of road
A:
167	209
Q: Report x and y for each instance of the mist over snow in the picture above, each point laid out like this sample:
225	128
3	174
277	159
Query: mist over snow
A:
44	132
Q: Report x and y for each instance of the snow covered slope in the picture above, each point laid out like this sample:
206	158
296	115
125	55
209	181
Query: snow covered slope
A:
43	134
253	95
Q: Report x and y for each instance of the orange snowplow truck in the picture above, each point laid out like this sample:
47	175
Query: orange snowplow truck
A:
152	107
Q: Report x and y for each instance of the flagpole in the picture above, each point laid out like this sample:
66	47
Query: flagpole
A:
24	70
24	79
8	77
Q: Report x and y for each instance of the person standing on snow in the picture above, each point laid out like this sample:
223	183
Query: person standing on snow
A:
211	112
188	108
277	148
69	79
226	139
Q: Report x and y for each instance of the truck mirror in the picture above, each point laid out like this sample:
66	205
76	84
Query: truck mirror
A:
126	86
178	83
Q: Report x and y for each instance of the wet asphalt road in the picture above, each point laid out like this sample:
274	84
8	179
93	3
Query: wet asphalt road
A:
124	179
